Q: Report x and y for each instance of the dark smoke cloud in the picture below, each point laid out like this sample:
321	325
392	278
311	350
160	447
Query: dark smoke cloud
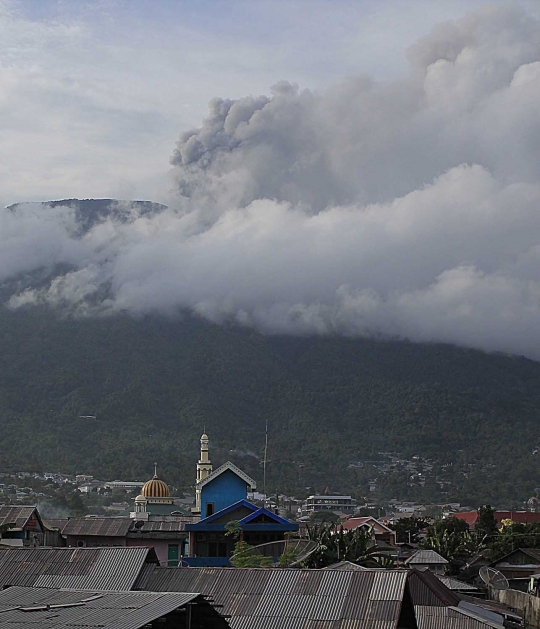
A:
410	208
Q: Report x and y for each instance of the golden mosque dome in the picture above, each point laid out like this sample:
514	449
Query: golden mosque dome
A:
155	488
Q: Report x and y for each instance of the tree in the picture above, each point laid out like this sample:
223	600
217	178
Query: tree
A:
244	555
408	529
336	544
515	535
485	529
324	516
452	540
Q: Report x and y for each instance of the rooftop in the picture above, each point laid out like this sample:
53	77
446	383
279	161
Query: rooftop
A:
45	608
273	598
425	557
82	568
102	527
16	515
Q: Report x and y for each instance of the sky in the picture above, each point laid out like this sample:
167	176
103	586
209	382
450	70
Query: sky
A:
95	93
330	167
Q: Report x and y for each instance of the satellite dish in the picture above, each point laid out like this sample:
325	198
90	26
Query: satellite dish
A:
299	550
493	578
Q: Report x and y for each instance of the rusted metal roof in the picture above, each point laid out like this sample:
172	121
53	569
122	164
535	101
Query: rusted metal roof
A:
55	523
101	527
299	599
45	608
175	526
16	515
81	568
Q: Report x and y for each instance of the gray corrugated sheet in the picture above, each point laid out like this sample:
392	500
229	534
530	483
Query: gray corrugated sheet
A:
126	610
454	584
102	527
425	557
83	568
451	618
426	589
144	576
345	565
17	515
268	598
166	527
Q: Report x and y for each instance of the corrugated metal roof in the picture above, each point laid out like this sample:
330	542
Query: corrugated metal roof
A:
102	527
454	584
345	565
82	568
16	515
108	610
300	599
425	557
426	589
165	527
451	618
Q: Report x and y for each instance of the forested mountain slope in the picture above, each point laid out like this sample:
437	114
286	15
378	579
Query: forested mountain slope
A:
332	403
153	383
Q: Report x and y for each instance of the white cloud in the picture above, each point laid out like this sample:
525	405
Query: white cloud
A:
403	208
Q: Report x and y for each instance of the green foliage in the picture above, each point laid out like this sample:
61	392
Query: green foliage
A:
233	528
244	556
154	382
514	535
408	529
336	544
287	558
485	527
324	516
452	540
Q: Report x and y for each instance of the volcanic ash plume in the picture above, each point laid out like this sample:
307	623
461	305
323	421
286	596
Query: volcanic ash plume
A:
409	208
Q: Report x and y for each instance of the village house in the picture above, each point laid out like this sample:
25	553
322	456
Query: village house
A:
381	532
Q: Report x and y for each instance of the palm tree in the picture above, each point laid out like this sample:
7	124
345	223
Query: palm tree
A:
337	544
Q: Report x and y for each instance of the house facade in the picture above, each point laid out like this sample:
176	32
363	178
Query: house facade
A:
381	532
21	526
221	497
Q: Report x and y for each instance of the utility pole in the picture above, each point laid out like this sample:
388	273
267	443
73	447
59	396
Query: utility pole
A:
264	461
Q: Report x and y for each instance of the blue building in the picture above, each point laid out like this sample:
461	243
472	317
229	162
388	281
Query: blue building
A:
221	497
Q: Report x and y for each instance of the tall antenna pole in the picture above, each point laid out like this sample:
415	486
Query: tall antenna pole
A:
264	461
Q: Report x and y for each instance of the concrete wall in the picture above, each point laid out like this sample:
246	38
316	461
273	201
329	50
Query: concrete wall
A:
223	491
161	546
94	541
523	603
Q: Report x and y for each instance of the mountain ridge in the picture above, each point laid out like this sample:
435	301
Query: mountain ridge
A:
154	381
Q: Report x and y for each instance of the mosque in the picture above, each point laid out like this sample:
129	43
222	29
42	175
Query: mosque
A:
155	499
220	497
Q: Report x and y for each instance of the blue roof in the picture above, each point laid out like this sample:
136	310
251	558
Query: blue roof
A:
263	511
278	523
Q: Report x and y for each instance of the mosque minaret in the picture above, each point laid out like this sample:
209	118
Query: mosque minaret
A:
204	469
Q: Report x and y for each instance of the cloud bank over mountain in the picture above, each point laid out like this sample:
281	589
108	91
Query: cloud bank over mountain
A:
409	208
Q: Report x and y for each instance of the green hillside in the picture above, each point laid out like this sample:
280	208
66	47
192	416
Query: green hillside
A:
153	384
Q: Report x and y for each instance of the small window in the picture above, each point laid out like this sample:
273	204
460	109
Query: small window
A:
209	509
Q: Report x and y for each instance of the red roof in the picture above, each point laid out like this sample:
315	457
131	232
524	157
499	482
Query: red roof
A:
522	517
354	523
